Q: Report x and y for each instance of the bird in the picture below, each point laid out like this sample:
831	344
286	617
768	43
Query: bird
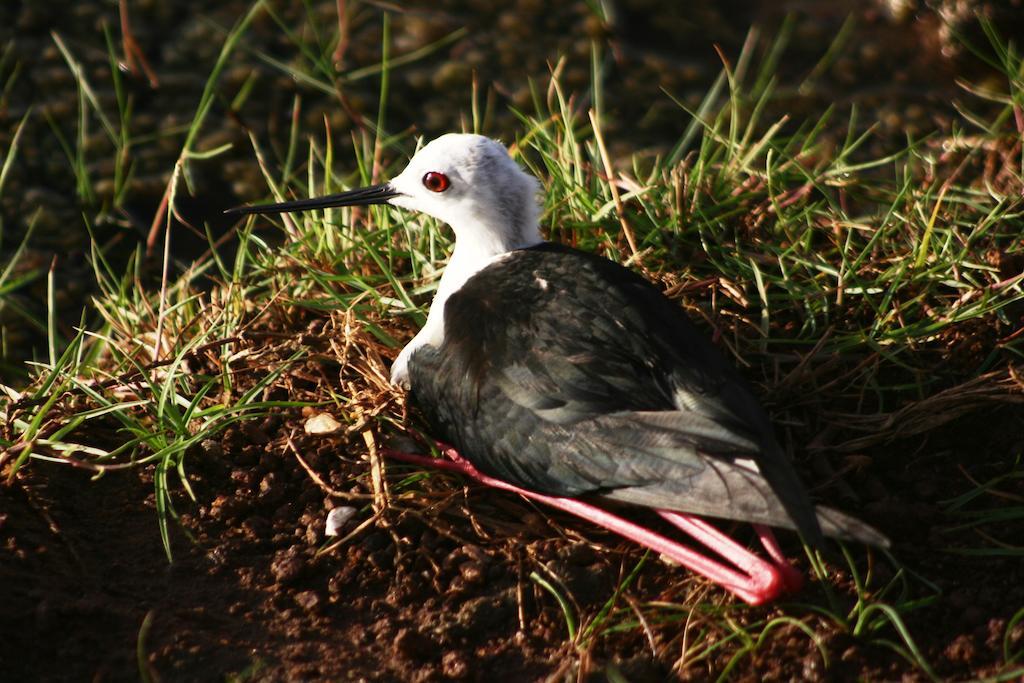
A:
571	379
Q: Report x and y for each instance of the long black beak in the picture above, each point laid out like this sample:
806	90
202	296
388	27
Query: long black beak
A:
375	194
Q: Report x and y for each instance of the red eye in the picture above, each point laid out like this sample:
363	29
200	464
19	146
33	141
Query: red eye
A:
436	182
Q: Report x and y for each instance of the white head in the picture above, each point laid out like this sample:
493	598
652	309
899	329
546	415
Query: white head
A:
468	181
472	184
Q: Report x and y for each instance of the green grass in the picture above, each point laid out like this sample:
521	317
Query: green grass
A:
837	277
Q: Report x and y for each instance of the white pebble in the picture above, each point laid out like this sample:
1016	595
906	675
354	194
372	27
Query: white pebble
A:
337	518
322	424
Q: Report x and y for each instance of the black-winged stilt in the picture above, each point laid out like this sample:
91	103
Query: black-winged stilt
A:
564	376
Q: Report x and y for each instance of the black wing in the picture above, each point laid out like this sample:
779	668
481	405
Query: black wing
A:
565	373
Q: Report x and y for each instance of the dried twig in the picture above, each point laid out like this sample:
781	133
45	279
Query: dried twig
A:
609	170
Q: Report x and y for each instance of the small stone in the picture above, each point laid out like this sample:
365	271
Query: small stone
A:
337	518
322	424
287	566
307	600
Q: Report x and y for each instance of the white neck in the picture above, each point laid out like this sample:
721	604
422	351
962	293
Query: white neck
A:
474	251
476	247
480	238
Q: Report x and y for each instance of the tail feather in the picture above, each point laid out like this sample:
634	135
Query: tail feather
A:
749	473
836	524
732	491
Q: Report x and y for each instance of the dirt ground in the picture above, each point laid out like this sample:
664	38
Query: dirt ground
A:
437	587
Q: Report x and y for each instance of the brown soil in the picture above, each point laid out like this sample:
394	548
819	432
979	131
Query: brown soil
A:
438	585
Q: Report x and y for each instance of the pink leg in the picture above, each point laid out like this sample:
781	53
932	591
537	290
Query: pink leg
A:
757	582
760	582
793	578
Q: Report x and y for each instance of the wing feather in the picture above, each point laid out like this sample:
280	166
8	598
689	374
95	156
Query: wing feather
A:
596	383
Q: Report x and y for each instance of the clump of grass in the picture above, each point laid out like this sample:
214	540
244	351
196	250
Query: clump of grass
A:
862	282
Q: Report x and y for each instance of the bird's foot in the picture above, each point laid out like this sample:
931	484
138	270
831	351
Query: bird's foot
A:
752	578
757	580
